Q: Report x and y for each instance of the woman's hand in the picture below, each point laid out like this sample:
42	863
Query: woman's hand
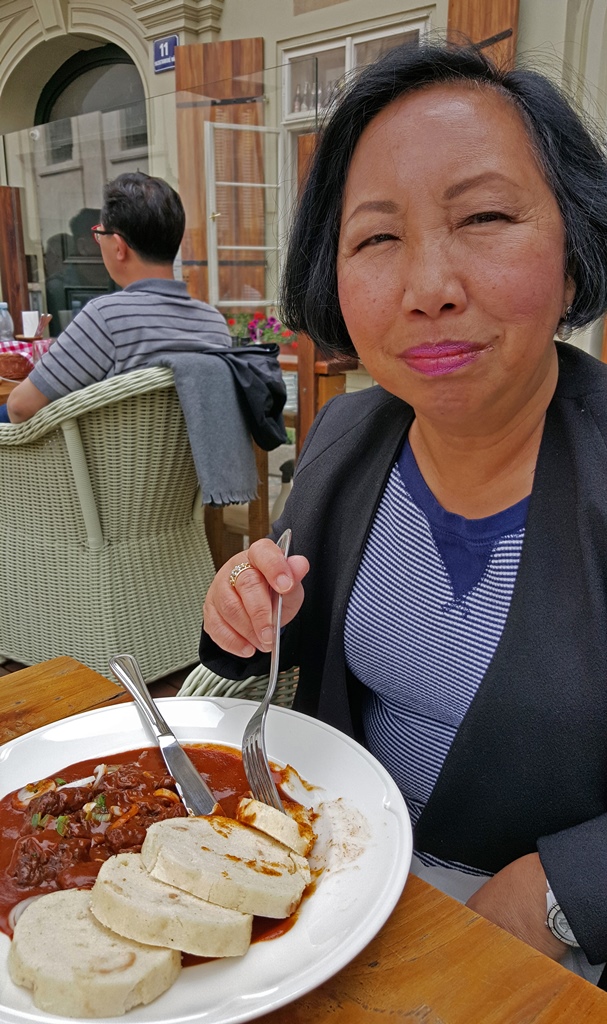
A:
239	618
515	899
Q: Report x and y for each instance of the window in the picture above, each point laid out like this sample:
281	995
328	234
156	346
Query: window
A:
314	75
59	141
101	79
133	126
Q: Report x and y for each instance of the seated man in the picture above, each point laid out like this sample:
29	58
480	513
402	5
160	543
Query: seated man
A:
141	226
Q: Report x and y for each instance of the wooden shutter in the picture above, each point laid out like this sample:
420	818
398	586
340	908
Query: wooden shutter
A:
318	379
307	353
13	270
221	82
481	20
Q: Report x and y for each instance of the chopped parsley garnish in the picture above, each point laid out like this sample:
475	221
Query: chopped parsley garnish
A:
61	824
38	821
59	782
100	811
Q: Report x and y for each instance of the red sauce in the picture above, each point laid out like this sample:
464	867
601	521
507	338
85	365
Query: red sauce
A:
265	928
36	858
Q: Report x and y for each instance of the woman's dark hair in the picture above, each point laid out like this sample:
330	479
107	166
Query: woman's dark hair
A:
574	165
147	212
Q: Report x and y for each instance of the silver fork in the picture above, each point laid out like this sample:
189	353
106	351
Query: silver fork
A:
254	756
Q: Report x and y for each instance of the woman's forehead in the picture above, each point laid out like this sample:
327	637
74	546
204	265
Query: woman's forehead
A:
441	132
429	102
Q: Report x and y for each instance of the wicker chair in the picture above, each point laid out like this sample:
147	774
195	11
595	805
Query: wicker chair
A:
202	682
101	529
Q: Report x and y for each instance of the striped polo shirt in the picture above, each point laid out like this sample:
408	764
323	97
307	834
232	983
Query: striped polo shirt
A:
121	331
425	615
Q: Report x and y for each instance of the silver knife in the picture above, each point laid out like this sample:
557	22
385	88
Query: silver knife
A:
196	796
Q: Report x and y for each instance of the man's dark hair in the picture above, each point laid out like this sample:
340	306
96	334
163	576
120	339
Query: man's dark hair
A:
573	163
147	212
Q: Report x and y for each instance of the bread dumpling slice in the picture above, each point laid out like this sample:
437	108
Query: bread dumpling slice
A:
130	901
78	968
292	829
226	863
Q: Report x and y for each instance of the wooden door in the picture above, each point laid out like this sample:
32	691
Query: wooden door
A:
221	82
481	20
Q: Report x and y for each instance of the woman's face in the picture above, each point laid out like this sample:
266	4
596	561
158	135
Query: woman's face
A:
451	255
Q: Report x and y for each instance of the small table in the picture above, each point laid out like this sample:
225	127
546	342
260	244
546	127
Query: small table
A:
433	962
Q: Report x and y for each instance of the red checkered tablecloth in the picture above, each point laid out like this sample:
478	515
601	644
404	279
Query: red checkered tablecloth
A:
24	348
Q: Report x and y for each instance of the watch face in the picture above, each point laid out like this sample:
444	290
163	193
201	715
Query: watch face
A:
559	925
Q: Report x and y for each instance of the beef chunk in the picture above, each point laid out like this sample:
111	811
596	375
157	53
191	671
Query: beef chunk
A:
62	801
38	859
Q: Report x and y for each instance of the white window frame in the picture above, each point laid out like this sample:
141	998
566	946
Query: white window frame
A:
294	121
211	183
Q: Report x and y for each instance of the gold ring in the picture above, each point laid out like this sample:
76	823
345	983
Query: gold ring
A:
236	571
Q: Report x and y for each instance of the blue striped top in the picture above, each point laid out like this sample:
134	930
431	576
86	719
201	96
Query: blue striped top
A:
425	615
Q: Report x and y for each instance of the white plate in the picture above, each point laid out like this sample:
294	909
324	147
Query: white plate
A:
364	842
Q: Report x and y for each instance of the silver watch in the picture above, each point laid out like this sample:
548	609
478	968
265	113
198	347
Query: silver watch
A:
556	920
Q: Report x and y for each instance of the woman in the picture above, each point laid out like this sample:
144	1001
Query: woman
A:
451	525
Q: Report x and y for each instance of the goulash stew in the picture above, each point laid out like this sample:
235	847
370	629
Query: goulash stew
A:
55	835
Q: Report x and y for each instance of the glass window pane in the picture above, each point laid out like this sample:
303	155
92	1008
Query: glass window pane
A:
371	49
242	275
133	126
314	79
331	69
104	88
59	142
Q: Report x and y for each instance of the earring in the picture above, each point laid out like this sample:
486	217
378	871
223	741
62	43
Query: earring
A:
564	329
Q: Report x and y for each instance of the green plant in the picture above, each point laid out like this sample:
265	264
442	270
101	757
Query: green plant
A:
259	328
238	324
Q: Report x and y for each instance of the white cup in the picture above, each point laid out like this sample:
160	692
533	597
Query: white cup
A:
30	322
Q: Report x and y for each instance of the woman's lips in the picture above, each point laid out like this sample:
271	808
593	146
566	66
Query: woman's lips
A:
443	357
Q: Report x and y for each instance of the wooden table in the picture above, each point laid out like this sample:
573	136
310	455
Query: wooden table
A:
6	386
433	962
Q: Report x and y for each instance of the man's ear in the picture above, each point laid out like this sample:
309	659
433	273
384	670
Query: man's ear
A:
121	250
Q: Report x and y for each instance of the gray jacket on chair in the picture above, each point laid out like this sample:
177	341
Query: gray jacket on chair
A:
527	770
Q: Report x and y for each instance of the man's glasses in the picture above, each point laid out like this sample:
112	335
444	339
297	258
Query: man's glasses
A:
97	230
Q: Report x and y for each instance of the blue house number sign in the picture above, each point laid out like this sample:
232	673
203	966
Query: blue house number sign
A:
164	53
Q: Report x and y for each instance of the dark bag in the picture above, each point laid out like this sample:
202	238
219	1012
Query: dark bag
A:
261	387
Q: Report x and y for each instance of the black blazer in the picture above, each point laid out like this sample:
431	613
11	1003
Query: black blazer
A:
527	770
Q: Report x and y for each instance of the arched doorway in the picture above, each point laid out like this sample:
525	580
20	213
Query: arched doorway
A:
91	125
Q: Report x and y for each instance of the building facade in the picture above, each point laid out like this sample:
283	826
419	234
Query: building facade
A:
222	98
